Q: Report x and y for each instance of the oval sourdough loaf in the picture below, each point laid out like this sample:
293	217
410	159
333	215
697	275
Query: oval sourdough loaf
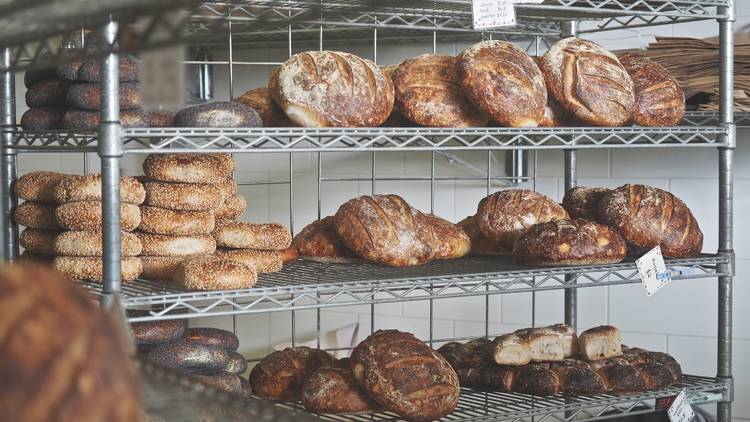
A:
281	375
659	100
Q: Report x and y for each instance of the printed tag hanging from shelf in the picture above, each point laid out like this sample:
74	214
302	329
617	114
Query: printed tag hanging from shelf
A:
653	271
490	14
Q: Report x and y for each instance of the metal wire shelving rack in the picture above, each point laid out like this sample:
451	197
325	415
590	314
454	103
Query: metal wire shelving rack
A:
303	286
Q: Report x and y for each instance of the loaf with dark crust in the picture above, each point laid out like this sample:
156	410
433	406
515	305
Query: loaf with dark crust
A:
88	96
320	242
405	375
91	71
428	92
190	355
47	93
480	244
647	216
157	220
156	332
42	118
218	114
335	390
214	336
189	168
36	215
74	188
450	241
330	88
38	241
38	185
260	100
503	81
589	82
75	119
34	75
583	202
659	100
182	196
87	215
281	375
506	215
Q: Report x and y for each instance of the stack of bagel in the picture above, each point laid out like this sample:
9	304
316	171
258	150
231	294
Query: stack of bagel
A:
37	215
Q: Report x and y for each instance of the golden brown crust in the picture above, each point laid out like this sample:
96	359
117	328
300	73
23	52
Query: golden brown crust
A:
319	242
261	101
37	215
210	273
189	168
329	88
281	375
241	235
427	92
480	245
232	208
504	81
589	82
450	240
76	188
262	261
38	241
583	202
38	186
163	245
156	220
160	268
89	243
659	100
87	268
182	196
334	389
87	215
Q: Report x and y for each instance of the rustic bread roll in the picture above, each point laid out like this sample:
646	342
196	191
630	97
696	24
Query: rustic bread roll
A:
218	114
157	245
260	100
583	202
64	355
156	220
232	208
262	261
554	114
209	273
160	268
450	240
37	215
511	349
74	188
182	196
427	92
405	375
589	82
38	241
47	93
38	186
539	344
156	332
569	338
88	96
90	268
190	355
504	216
237	364
329	88
385	229
91	70
503	81
480	245
569	242
75	119
600	343
281	375
28	257
228	187
42	118
659	100
189	168
646	217
222	381
87	215
319	242
89	243
241	235
214	337
159	118
335	390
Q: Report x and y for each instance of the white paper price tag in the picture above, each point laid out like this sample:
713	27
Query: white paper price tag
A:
653	271
680	410
489	14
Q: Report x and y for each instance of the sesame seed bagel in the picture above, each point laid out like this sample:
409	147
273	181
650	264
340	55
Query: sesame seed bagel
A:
232	208
183	246
38	240
75	188
183	196
89	243
188	168
228	187
38	215
90	268
28	257
87	215
209	273
262	261
38	185
155	332
176	223
241	235
214	336
160	268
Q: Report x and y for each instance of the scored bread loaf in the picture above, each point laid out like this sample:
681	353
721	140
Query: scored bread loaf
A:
659	100
210	273
218	114
262	261
260	100
583	202
157	245
334	389
37	215
87	215
42	118
503	81
182	196
449	240
74	188
242	235
480	244
600	343
214	337
38	240
427	92
319	242
89	243
647	216
157	220
232	208
589	82
38	185
281	375
330	88
90	267
189	168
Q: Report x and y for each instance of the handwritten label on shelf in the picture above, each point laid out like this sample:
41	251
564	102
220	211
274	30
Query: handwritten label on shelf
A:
680	410
653	271
489	14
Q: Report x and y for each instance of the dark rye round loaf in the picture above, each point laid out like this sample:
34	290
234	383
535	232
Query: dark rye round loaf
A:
42	118
503	81
66	357
47	93
34	75
260	100
281	375
659	100
405	375
214	337
218	114
319	242
647	216
583	202
589	82
330	88
189	355
91	71
75	119
157	332
335	390
88	96
569	242
427	92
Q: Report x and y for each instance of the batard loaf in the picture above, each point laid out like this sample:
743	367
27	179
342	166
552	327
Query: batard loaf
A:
659	100
281	375
449	240
583	202
480	244
320	242
260	100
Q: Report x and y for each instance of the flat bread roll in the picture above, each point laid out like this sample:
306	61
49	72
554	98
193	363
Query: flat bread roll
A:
319	242
260	100
87	268
659	100
157	220
158	245
262	261
75	188
182	196
87	215
450	241
38	185
189	168
38	241
37	215
89	243
210	273
241	235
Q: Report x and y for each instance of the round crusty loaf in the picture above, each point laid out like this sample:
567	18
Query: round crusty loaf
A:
189	355
504	216
176	223
158	245
583	202
450	241
210	273
88	96
646	217
262	261
329	88
42	118
503	81
241	235
182	196
189	168
261	101
47	93
156	332
63	357
87	215
90	268
214	337
281	375
74	188
75	119
659	100
319	242
160	268
480	244
37	215
228	187
335	390
232	208
223	380
218	114
589	82
89	243
427	92
38	241
38	186
569	242
237	364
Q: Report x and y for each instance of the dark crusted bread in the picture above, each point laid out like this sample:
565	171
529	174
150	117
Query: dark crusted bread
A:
189	355
320	242
281	375
157	332
47	93
260	100
218	114
214	337
237	364
75	119
42	118
334	389
88	96
583	202
659	100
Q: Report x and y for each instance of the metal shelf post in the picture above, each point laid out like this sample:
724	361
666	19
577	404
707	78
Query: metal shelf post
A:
8	158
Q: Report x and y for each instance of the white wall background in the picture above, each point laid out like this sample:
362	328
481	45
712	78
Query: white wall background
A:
681	319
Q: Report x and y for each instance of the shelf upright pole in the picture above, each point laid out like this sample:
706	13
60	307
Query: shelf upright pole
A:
110	151
9	154
726	207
